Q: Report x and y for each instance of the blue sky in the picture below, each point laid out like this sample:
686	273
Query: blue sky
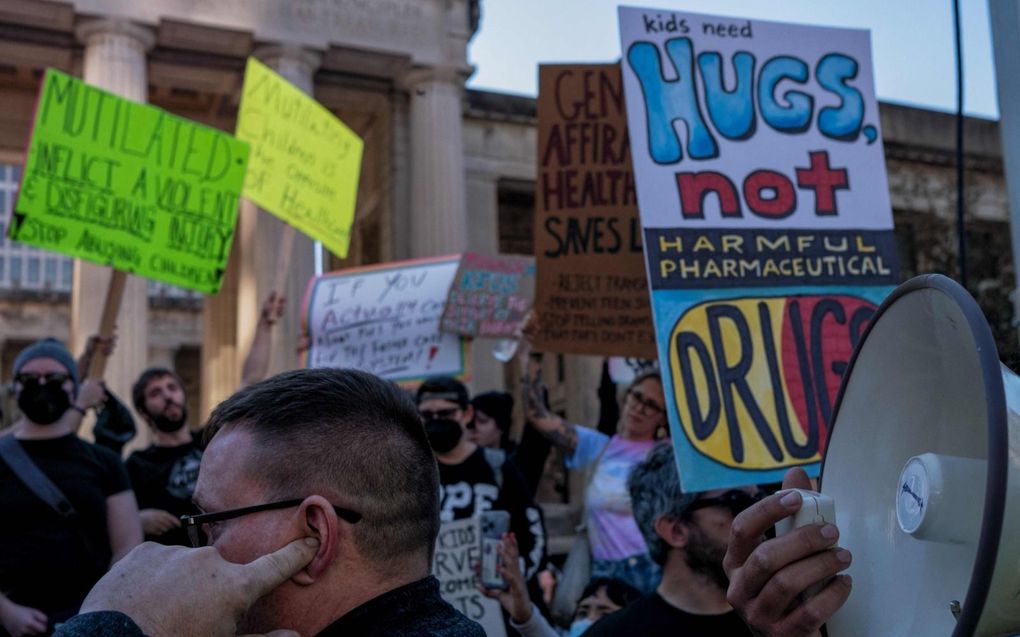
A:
912	41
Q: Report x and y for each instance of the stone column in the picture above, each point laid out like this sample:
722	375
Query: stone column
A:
438	211
229	318
483	236
115	61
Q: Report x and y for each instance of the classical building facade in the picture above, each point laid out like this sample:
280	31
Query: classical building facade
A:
445	170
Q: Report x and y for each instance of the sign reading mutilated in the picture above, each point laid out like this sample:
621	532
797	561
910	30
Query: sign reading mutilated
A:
490	296
591	293
305	162
129	185
767	229
385	319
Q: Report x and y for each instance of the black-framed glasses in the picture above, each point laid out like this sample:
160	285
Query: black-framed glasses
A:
735	500
439	414
57	378
193	523
646	403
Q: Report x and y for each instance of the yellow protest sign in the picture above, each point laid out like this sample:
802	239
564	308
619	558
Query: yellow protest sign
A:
305	163
129	185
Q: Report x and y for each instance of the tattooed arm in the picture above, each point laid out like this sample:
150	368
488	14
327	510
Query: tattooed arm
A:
561	433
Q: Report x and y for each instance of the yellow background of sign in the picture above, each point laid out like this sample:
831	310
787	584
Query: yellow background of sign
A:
305	163
717	445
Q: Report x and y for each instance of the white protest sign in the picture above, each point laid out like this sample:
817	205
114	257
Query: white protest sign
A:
458	553
384	319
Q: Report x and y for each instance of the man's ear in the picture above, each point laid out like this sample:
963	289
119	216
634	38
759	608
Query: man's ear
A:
318	519
469	414
672	530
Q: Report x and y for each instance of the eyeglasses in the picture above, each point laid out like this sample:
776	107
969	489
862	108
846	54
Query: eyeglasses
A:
194	523
57	378
439	414
645	403
735	500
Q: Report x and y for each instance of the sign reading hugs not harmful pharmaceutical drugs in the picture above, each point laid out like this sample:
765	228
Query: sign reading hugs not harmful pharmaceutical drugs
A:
385	319
129	185
767	229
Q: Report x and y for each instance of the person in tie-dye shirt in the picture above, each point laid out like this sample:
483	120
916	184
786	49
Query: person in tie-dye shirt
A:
618	549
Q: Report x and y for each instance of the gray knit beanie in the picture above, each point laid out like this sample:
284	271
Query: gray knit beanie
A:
49	348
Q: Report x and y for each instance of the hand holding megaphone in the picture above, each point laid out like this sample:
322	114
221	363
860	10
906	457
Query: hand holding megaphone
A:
768	576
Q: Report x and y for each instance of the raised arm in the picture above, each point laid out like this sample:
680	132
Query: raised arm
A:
257	362
560	432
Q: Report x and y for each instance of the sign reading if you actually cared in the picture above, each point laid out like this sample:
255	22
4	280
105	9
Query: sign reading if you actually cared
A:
384	319
129	186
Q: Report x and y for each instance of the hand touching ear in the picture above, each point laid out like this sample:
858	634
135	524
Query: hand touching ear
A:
170	591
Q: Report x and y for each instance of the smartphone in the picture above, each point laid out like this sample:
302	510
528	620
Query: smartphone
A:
494	524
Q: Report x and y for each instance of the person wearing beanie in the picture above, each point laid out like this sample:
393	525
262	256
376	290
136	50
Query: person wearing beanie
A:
50	561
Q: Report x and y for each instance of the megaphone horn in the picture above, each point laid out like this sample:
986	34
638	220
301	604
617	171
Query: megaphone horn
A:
923	463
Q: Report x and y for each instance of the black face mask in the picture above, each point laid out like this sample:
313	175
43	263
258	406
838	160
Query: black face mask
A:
43	403
443	434
168	426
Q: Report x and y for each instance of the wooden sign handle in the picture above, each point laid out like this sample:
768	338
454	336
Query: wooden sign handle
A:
286	247
111	307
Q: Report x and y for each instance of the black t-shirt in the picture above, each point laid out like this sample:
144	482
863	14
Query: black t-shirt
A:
652	616
47	562
469	488
164	478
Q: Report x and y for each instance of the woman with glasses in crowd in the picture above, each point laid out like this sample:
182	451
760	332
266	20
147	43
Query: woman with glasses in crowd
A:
617	547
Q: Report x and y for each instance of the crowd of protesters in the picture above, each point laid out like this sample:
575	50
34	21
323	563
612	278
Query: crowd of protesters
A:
352	477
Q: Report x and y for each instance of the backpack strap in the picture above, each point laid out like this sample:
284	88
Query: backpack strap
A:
32	477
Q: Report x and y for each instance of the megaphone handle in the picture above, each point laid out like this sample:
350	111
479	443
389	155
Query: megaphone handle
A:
817	509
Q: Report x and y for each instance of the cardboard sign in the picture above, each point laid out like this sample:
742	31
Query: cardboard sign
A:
458	552
592	294
129	185
385	319
767	225
305	162
490	296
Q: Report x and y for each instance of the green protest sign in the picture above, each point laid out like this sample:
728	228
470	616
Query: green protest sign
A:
129	186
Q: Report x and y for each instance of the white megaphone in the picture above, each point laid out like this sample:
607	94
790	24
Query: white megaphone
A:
923	464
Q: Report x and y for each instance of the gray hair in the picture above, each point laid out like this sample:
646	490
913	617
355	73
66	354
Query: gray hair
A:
654	493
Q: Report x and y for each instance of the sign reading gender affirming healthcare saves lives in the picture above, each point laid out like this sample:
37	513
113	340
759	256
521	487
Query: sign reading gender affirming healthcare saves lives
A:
490	296
591	293
455	565
767	229
305	162
385	319
129	185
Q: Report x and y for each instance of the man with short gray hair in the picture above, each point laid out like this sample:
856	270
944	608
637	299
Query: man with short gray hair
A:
328	475
687	534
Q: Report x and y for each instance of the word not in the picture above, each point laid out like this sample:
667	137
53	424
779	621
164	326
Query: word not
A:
769	194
